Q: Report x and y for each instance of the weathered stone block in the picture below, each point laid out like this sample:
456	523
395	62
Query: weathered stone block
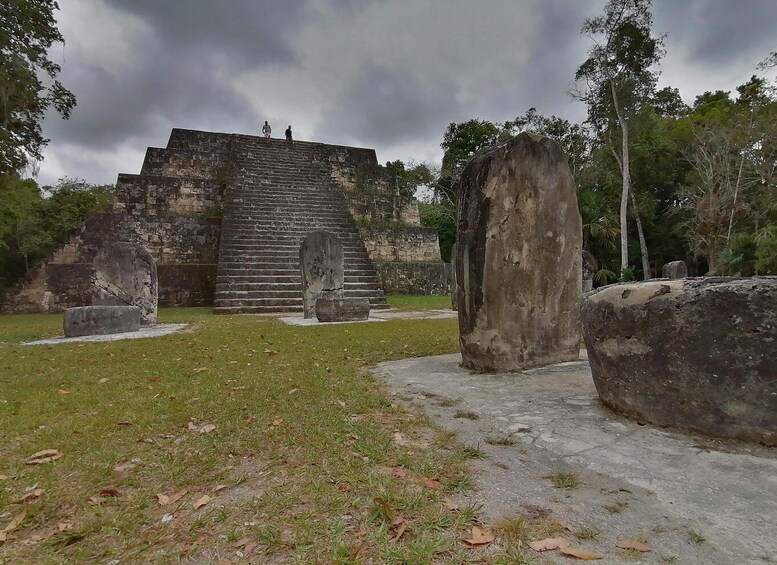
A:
323	275
697	354
399	277
101	320
518	257
125	275
675	270
454	290
590	267
342	309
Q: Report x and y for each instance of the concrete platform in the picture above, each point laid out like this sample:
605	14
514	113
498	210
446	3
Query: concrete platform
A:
153	331
375	316
635	480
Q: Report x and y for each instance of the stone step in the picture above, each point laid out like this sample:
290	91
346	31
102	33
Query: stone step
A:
235	252
294	243
283	293
288	277
273	270
292	285
278	304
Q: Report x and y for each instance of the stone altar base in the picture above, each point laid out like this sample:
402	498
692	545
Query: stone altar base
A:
101	320
696	354
342	309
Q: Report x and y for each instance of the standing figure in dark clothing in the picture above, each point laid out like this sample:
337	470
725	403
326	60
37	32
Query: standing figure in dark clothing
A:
288	136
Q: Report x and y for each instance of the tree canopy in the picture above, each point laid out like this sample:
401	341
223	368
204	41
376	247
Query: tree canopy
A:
28	84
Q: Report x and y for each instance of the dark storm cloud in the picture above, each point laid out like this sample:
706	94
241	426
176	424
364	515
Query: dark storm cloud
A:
545	79
228	65
386	105
719	32
181	70
246	32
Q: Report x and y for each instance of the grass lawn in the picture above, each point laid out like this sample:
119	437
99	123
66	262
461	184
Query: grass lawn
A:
413	302
278	425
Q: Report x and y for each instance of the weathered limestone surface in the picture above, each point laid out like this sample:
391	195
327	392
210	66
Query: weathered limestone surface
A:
454	290
401	277
342	309
321	262
697	354
101	320
125	275
674	270
590	266
518	262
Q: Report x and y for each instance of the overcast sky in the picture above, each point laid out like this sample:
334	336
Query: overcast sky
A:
386	74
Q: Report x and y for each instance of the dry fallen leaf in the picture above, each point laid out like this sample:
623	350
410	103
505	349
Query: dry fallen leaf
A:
241	542
581	553
4	477
109	492
164	499
450	505
154	379
341	403
123	468
400	473
480	537
249	419
45	456
219	488
292	391
200	427
270	352
202	501
402	441
64	526
102	381
63	391
12	525
433	484
359	551
277	422
549	544
200	369
633	544
399	526
32	495
388	511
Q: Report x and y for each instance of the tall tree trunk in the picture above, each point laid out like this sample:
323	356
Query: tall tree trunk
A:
626	179
739	181
642	243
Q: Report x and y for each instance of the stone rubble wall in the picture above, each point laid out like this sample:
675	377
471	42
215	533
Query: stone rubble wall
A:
409	244
414	278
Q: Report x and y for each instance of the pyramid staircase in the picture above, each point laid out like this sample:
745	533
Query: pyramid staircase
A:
277	195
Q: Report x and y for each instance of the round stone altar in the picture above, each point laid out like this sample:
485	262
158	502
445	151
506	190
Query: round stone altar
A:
698	354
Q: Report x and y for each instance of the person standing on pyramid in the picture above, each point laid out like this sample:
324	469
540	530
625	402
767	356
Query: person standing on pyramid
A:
288	135
266	130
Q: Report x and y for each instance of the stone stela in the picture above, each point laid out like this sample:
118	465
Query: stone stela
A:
518	257
125	275
321	260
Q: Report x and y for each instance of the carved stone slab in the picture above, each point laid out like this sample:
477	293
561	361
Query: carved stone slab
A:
323	275
101	320
125	275
342	309
518	262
